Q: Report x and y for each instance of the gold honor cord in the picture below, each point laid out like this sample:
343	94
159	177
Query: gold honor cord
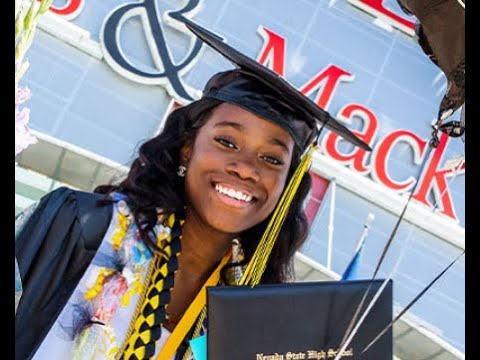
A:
188	320
254	271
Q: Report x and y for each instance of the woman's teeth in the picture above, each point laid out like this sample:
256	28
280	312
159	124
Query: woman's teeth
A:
238	195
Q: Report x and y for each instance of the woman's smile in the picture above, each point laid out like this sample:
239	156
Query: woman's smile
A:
232	197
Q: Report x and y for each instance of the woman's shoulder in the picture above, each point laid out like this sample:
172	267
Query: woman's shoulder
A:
66	206
81	201
88	209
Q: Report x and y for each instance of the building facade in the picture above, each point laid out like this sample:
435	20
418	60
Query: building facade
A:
105	74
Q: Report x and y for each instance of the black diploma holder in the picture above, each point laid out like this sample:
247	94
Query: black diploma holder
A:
292	321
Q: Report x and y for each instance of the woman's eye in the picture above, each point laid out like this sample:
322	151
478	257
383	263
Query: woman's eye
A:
272	160
226	143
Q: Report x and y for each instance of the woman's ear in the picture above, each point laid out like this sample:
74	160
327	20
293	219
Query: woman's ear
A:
186	152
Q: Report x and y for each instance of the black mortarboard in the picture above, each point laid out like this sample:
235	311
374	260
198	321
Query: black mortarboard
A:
263	92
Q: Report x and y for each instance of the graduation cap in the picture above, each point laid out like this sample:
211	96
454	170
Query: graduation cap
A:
264	93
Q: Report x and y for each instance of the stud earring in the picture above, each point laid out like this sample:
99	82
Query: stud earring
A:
181	171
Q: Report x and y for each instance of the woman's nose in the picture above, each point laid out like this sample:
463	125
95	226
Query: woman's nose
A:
245	167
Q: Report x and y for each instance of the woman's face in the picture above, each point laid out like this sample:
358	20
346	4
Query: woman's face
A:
236	169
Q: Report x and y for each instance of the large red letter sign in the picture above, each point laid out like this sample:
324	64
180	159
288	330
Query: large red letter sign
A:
381	154
326	82
435	179
376	9
357	157
272	54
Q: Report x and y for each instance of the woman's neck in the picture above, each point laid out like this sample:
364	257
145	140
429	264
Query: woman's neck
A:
202	249
202	246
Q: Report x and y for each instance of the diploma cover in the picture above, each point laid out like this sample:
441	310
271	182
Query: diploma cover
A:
305	320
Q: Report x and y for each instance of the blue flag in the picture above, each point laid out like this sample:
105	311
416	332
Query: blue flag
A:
351	272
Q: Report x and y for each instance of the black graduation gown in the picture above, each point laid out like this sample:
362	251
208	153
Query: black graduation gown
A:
53	251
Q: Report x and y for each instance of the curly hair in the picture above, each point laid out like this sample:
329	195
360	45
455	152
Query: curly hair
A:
152	183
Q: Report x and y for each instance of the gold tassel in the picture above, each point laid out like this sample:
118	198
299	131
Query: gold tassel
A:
258	263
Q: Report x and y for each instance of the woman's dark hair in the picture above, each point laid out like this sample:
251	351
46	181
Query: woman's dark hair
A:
152	183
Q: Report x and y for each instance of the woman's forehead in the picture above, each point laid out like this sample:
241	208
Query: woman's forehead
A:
230	115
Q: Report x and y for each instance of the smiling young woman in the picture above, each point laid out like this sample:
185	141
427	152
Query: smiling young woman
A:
110	274
237	168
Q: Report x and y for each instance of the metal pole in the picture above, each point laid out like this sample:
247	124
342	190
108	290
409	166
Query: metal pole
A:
333	185
366	226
